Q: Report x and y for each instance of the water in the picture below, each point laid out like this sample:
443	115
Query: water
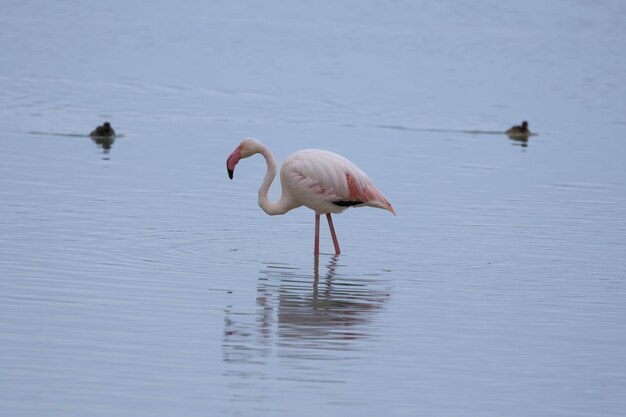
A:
138	280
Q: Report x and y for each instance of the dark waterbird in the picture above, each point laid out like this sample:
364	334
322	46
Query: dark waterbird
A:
519	130
104	131
104	136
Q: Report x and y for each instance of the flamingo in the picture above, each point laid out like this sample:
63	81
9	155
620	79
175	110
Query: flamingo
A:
323	181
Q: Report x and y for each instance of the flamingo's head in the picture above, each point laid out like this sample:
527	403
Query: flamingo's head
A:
246	148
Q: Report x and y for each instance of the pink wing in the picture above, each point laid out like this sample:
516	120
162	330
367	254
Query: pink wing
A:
328	183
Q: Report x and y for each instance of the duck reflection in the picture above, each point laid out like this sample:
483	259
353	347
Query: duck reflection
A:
519	141
299	315
104	142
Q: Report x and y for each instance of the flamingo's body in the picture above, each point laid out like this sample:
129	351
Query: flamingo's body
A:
320	180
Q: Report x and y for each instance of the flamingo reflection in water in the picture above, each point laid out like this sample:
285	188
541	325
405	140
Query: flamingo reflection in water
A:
295	318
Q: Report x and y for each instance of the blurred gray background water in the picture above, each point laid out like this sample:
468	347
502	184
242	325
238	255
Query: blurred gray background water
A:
136	279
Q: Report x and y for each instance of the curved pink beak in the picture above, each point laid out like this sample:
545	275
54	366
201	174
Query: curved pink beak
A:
232	161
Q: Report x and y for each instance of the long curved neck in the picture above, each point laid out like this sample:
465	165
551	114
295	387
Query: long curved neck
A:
270	207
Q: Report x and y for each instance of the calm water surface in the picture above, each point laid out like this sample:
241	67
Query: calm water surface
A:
136	279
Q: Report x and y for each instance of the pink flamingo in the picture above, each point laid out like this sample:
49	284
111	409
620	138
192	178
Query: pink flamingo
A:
320	180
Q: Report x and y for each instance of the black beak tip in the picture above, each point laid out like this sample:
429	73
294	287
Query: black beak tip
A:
230	173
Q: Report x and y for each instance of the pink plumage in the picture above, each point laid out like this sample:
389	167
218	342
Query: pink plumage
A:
319	179
323	181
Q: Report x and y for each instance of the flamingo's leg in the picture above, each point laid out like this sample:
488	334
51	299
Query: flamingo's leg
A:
333	234
316	247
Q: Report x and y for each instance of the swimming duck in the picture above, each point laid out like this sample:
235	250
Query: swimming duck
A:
518	130
103	131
